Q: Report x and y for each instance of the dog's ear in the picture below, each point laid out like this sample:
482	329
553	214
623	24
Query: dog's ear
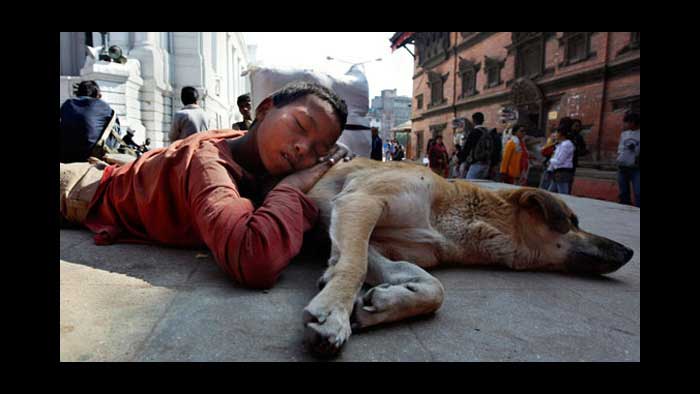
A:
553	211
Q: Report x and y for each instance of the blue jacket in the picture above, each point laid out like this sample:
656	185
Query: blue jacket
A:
83	119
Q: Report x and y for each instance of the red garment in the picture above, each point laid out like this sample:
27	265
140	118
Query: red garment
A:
192	193
438	159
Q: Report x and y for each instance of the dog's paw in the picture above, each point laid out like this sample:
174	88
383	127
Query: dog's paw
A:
326	330
376	305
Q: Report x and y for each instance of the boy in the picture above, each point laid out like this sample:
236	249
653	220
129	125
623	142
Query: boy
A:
208	188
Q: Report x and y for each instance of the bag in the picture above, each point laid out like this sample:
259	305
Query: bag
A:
548	151
483	148
101	148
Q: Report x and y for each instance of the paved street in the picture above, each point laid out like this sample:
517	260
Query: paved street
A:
147	303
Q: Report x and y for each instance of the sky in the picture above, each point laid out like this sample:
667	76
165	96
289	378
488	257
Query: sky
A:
309	50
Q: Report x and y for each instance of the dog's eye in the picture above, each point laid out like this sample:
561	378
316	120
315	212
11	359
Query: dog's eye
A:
574	220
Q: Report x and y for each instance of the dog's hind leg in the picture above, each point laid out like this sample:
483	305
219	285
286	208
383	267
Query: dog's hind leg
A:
327	317
402	290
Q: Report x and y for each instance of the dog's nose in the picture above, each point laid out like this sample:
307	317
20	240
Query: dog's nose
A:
628	254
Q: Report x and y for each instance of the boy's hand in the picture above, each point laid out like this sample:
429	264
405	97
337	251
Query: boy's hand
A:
304	180
338	152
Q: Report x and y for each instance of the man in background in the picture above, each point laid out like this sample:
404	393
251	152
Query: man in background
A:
244	107
84	120
191	118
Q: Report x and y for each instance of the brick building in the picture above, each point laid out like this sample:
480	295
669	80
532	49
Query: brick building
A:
541	76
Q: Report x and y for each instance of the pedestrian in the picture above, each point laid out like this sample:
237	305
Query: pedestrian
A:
562	162
439	162
398	152
547	152
206	190
191	118
628	160
376	153
244	107
86	120
496	156
515	156
579	144
454	162
479	146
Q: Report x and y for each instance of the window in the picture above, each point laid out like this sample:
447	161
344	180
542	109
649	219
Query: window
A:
468	70
431	47
577	47
632	46
419	101
634	40
436	83
493	69
529	53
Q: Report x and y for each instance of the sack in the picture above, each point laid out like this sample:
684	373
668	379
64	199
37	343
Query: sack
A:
352	87
483	148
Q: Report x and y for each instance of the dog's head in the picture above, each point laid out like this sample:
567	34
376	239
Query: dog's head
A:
549	236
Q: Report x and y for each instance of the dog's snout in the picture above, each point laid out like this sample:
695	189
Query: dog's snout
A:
628	253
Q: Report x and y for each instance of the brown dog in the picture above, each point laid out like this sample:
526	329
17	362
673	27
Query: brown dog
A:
388	221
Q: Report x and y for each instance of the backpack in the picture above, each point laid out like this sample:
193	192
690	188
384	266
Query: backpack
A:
483	148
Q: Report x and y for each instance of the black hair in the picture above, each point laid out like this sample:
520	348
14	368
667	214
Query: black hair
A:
632	117
296	90
242	99
565	125
478	118
189	95
517	128
88	88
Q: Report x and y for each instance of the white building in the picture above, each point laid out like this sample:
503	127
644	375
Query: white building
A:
145	92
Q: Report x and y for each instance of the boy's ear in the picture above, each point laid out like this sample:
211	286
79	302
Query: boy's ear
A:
262	109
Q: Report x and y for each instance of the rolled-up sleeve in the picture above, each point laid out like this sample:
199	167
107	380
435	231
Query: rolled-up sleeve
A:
252	245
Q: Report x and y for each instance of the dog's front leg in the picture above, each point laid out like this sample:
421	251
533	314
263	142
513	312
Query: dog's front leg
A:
327	317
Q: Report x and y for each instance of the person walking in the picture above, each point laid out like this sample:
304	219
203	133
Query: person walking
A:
479	147
562	162
376	153
547	152
438	157
579	144
454	162
628	160
514	155
191	118
496	155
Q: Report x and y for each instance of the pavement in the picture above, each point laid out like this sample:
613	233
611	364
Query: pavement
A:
128	302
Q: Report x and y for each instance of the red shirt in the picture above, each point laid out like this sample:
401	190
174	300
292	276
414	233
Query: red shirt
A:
193	193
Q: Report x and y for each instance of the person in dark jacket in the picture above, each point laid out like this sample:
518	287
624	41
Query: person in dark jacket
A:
83	121
376	153
579	144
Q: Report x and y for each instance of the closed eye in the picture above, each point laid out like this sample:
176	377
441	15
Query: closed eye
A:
574	220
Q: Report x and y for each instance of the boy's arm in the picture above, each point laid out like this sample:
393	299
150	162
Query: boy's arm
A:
252	245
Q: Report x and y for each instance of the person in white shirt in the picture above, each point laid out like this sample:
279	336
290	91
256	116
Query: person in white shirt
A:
628	160
562	162
191	118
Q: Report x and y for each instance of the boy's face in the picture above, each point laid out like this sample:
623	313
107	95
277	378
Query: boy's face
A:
294	137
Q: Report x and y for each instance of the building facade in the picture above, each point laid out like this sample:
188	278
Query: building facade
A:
388	111
145	91
531	77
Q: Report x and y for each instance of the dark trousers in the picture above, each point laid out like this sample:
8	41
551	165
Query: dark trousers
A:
625	176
